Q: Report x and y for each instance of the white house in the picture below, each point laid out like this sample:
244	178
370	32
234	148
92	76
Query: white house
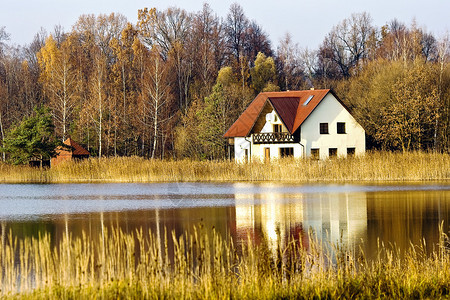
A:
296	123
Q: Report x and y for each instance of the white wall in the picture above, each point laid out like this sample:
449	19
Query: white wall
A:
240	144
331	111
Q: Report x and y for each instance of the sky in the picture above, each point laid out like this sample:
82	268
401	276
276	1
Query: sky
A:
308	21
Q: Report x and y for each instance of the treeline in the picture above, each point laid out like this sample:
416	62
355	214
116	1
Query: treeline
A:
170	85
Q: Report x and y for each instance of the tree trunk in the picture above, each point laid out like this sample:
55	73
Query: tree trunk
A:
100	115
3	137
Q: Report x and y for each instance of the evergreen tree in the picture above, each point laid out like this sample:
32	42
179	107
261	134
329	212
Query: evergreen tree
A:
33	138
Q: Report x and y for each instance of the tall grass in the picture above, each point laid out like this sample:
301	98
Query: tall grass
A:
374	166
138	265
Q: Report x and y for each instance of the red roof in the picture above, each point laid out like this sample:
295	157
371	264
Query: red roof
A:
288	105
76	148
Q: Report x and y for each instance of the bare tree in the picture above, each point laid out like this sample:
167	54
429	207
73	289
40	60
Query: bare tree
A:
4	37
289	61
346	44
207	45
443	51
236	26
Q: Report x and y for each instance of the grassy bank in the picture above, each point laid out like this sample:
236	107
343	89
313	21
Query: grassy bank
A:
137	266
375	166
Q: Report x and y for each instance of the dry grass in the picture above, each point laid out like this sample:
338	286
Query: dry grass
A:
374	166
200	266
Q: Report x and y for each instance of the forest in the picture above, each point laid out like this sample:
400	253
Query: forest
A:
172	84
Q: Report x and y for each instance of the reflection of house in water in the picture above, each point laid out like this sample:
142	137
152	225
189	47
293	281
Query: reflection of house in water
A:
337	216
275	217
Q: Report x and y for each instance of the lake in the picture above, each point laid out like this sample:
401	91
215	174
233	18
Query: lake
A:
359	215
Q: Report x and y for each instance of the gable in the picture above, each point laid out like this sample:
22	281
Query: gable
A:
286	108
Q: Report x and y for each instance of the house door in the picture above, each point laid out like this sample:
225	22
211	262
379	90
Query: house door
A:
266	154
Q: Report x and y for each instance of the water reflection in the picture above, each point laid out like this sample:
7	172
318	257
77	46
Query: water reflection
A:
356	215
333	217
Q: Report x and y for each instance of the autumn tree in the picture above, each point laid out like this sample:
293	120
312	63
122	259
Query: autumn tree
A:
99	96
263	74
156	98
409	120
207	44
169	30
58	76
398	42
123	81
201	134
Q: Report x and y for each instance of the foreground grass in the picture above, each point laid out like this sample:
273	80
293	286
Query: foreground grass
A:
137	265
374	166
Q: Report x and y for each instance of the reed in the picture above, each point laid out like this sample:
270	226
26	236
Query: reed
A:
374	166
207	266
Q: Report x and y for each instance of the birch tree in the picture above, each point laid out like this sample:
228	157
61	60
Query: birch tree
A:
58	76
156	97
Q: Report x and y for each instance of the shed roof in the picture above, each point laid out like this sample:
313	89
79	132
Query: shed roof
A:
288	105
76	148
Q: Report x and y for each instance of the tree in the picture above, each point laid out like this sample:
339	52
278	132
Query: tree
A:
347	43
33	138
123	81
235	27
170	29
4	36
263	73
155	98
396	104
59	78
410	119
201	135
207	46
289	63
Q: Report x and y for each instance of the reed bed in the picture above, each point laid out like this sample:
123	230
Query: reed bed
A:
374	166
139	265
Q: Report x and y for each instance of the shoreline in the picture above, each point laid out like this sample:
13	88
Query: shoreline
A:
372	167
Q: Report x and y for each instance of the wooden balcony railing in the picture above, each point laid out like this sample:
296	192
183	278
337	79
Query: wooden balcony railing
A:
273	138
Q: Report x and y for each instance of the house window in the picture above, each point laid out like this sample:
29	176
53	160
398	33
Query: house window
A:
246	155
341	127
332	152
315	154
277	128
351	151
323	128
286	152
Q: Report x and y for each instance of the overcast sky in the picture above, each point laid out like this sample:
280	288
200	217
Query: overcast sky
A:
308	21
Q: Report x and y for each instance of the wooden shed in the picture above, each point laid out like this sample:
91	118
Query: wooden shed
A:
75	151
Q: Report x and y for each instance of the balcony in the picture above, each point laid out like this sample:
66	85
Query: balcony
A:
273	138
